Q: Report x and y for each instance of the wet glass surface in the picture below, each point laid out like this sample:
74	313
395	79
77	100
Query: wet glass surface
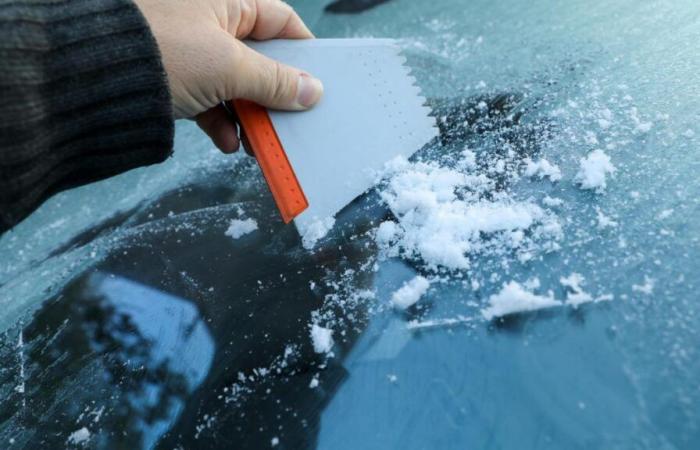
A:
131	320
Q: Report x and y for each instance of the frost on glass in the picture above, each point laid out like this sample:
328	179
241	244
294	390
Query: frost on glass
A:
554	221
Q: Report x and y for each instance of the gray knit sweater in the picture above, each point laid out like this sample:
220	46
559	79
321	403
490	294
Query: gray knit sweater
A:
83	96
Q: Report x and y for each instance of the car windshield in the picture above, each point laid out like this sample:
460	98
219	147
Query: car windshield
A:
528	279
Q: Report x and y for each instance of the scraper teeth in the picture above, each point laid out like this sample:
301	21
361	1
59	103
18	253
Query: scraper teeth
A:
421	102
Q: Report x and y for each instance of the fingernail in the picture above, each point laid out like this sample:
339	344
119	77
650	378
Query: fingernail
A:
309	90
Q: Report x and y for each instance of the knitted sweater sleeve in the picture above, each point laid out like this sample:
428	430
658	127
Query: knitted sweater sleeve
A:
83	96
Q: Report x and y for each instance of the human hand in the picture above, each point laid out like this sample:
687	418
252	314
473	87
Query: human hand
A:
206	62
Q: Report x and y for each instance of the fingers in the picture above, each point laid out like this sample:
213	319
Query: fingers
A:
269	83
220	128
276	19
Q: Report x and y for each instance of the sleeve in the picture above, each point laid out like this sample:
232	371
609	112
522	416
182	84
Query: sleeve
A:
83	96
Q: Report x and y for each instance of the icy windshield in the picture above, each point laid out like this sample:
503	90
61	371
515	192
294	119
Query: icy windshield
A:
529	279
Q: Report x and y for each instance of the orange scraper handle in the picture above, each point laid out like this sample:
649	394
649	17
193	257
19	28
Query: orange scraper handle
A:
266	147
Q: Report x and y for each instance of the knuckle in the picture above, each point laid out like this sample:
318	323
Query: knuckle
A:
281	88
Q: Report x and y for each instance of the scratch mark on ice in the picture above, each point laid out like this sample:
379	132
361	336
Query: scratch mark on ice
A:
21	387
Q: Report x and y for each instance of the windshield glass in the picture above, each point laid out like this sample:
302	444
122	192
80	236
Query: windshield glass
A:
528	279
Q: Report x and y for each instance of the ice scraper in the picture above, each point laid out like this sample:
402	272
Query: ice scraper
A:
316	162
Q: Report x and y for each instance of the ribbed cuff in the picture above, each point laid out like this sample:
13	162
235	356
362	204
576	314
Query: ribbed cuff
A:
84	97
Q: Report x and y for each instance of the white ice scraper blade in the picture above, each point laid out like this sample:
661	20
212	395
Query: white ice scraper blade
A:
371	112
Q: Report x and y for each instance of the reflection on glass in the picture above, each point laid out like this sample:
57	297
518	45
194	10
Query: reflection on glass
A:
109	358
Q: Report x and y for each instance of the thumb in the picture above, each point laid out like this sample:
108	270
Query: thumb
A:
270	83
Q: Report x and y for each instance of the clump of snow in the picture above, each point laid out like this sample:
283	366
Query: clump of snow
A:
79	437
322	339
515	298
575	295
314	382
410	292
552	201
468	159
316	231
275	441
444	214
605	298
646	288
665	214
542	169
238	227
639	125
387	232
593	171
604	221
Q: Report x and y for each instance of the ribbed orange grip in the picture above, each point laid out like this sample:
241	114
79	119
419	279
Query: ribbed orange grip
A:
269	152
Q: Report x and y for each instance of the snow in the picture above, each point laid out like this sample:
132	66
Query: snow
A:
444	214
542	169
468	159
238	227
79	437
604	221
316	231
314	383
665	214
593	171
515	298
575	295
438	323
386	233
639	125
410	292
322	339
275	441
552	201
646	288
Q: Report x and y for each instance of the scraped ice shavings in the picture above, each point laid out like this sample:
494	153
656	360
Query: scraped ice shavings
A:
515	298
444	213
604	221
552	201
322	339
646	288
542	169
387	232
79	437
575	295
410	292
316	231
238	228
593	171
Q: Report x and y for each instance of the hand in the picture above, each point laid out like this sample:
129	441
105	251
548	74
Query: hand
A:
206	62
